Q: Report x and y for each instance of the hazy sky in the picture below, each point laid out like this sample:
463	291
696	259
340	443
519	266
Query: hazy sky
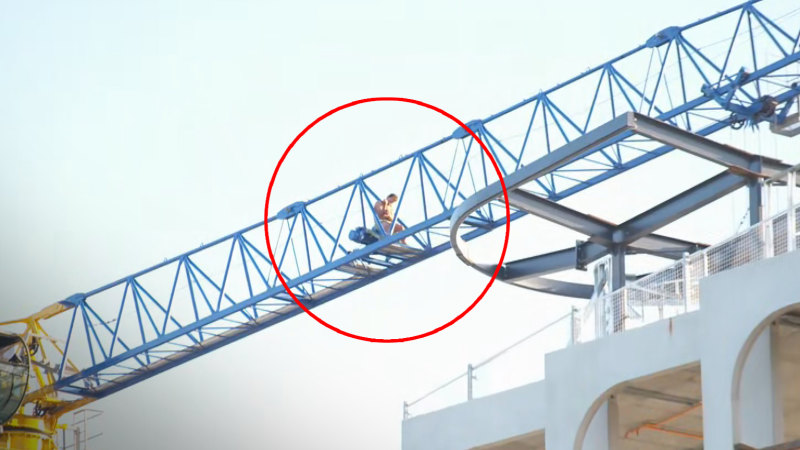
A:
134	131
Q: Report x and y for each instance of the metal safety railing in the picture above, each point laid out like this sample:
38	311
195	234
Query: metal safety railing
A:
555	335
76	436
675	289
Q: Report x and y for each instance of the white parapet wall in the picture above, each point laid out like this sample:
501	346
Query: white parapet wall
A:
580	379
576	405
478	422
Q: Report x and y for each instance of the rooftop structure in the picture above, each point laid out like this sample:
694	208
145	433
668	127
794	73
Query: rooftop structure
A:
700	354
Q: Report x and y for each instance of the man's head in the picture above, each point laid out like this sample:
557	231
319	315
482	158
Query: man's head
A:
391	198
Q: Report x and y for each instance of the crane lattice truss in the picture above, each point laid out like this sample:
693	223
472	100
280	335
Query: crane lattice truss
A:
736	67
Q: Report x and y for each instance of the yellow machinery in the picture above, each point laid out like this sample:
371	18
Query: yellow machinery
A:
29	408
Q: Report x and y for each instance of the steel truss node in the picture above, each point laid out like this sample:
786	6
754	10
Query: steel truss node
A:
605	238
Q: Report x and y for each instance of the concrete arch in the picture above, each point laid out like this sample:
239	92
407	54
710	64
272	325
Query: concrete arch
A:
734	304
591	413
764	326
761	291
621	416
723	336
575	399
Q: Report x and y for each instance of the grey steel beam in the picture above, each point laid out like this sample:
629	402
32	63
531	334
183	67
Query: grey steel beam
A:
755	206
618	267
755	202
663	396
569	258
703	147
633	236
561	215
599	231
575	149
586	252
664	246
557	287
618	282
667	212
540	265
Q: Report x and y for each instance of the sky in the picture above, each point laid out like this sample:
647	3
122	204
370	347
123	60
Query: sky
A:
134	131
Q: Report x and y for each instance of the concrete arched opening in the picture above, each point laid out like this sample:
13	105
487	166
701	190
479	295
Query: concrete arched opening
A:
765	393
734	304
657	410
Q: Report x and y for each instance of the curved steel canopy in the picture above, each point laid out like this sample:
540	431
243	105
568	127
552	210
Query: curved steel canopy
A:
604	238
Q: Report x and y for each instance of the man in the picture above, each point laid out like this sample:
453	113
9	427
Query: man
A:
384	209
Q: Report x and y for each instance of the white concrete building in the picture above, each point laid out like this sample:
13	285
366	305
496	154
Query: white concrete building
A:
725	374
707	355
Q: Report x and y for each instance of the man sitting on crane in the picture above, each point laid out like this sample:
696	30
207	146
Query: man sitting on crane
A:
384	210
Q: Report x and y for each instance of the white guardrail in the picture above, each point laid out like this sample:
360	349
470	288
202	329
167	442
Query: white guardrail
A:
666	293
675	289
